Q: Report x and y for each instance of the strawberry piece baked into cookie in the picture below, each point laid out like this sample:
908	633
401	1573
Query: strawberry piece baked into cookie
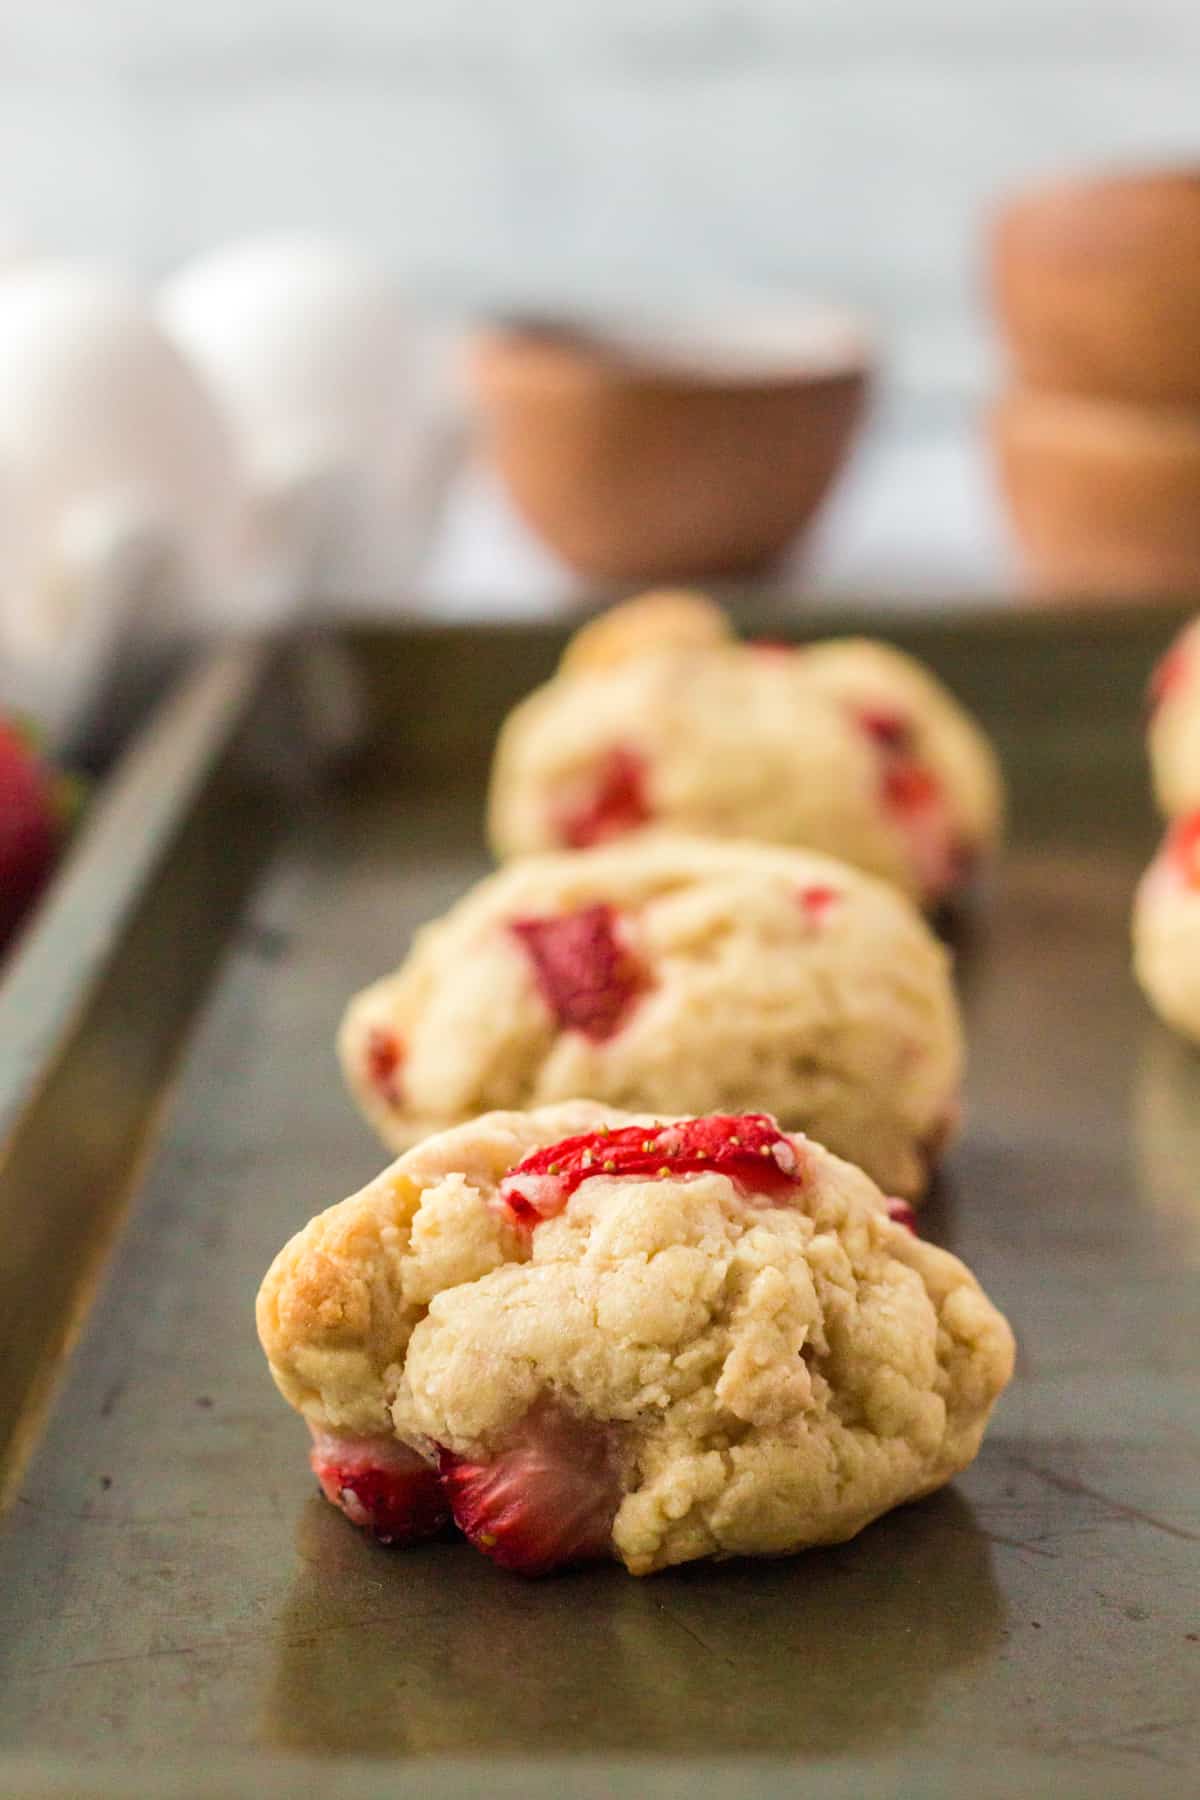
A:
583	1335
658	716
663	973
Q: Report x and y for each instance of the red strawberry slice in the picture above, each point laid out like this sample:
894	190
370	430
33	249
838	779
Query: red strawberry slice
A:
30	827
749	1148
1182	849
381	1485
1169	675
588	978
383	1059
615	802
547	1500
902	1213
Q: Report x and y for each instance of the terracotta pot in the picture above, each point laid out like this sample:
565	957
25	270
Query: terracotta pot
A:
1097	285
1105	497
643	456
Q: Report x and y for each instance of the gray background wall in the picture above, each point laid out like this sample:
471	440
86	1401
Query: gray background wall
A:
498	149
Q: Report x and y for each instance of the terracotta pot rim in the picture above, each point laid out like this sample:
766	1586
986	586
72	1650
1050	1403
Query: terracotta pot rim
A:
1045	204
577	351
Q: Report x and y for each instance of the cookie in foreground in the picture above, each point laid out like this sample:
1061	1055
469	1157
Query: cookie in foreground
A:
586	1336
669	974
658	716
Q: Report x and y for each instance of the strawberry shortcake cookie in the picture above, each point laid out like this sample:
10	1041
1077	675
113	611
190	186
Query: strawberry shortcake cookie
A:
658	716
666	973
581	1335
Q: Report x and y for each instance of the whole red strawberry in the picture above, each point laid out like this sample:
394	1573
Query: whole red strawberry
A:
31	825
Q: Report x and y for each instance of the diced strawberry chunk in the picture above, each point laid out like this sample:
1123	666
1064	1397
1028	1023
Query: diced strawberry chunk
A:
383	1059
547	1500
1169	675
909	787
749	1148
943	859
615	801
913	795
902	1213
1182	849
887	727
587	976
380	1485
818	901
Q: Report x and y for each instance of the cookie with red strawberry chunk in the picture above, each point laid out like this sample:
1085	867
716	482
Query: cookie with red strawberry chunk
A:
659	718
1166	928
1173	728
35	802
665	972
585	1335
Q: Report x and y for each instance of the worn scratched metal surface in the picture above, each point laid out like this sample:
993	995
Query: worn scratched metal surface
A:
173	1592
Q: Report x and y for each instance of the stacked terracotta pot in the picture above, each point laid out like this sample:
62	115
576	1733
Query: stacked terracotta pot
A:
671	449
1097	440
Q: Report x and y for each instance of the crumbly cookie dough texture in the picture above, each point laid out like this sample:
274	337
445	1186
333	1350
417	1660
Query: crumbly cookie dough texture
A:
1166	913
671	974
764	1376
659	716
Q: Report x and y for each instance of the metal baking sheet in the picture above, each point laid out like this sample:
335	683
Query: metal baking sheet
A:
179	1611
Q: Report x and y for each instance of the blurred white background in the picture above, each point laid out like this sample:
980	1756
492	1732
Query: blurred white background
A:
495	151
